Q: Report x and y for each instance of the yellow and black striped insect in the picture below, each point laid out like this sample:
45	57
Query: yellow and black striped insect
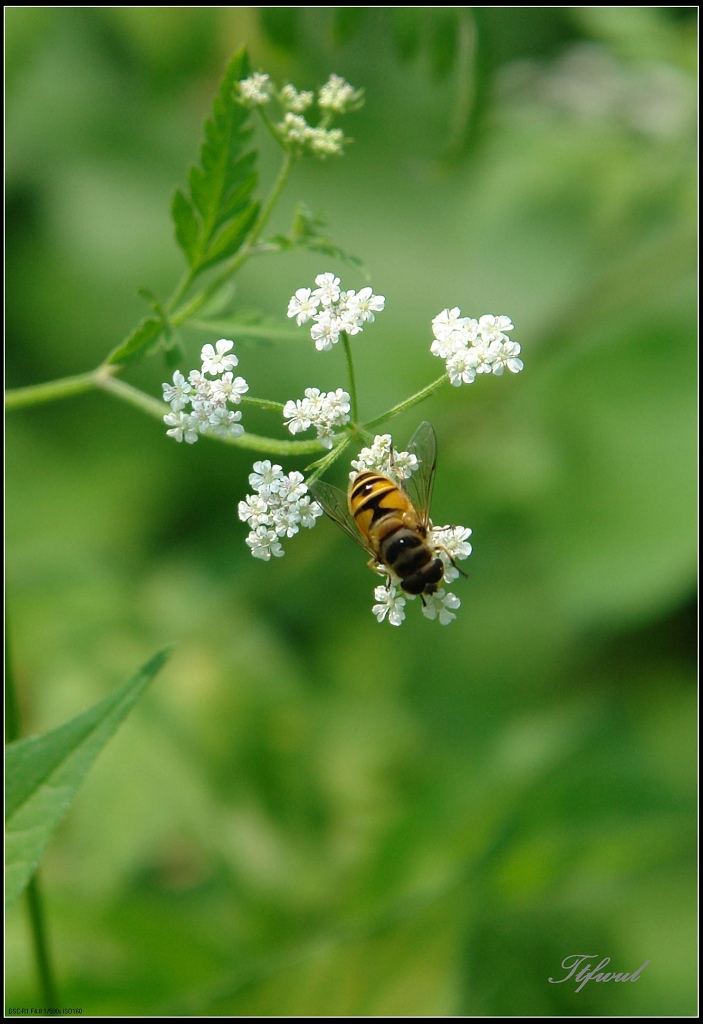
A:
390	519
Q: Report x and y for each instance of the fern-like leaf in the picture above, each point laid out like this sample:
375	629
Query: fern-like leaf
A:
212	219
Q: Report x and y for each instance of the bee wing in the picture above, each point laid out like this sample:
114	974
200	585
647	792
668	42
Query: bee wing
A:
423	444
334	504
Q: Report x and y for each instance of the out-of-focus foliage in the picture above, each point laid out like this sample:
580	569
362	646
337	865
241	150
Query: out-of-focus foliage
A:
45	772
313	813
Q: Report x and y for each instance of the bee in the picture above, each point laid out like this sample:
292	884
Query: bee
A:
390	520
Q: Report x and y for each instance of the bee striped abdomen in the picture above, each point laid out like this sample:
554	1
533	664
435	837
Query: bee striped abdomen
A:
386	517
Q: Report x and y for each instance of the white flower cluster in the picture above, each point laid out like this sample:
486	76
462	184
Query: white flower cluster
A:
339	97
278	508
391	601
256	90
381	457
335	97
208	399
323	410
470	346
333	310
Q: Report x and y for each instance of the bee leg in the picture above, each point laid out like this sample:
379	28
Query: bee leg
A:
379	569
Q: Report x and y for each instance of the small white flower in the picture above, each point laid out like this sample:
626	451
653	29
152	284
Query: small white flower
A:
404	465
295	129
200	384
264	543
183	426
366	304
338	96
452	545
507	357
266	478
256	90
324	142
229	388
454	540
297	102
309	511
461	366
327	291
216	360
389	603
492	327
255	511
441	605
302	306
295	416
325	331
224	422
176	394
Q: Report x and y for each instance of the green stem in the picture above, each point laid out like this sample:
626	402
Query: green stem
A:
127	393
323	464
37	919
38	394
263	403
253	442
420	396
267	208
350	374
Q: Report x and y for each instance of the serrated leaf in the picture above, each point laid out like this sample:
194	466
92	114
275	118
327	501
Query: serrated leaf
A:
44	773
213	220
229	239
135	346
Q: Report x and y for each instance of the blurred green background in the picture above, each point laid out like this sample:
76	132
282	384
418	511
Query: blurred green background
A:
311	813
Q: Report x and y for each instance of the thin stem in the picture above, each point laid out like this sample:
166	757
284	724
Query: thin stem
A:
37	920
263	403
350	373
181	288
268	206
38	394
323	464
151	406
420	396
266	445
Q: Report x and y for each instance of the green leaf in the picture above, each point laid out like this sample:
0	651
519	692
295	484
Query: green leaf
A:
186	224
213	219
134	347
44	773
